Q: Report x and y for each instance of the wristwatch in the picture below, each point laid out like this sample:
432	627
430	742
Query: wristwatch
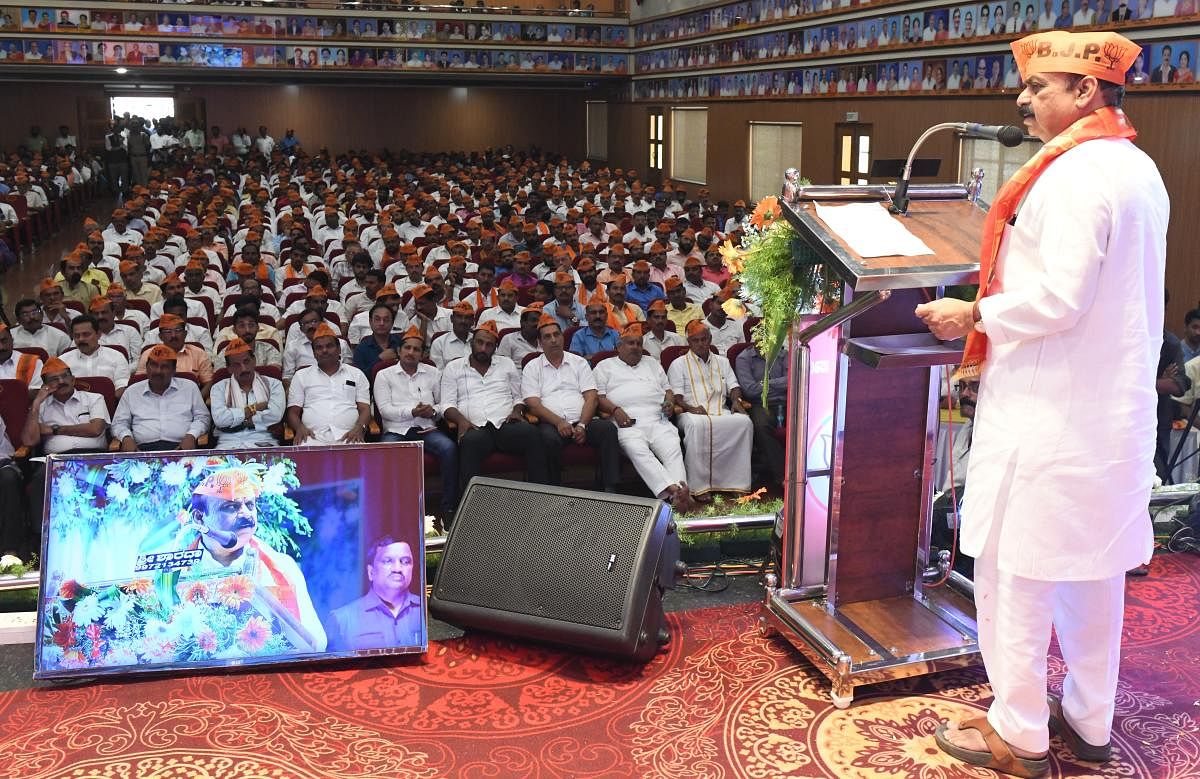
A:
53	429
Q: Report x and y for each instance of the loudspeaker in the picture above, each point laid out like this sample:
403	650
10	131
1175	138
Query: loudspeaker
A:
580	569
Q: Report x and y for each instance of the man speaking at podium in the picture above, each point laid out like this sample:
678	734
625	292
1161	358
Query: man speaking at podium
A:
1068	322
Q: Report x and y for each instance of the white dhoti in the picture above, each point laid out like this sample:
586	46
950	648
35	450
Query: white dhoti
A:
1015	616
717	451
653	448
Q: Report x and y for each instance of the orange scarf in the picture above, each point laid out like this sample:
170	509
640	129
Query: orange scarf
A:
1106	122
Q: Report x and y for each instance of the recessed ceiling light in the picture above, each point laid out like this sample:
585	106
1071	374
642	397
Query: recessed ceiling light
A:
122	71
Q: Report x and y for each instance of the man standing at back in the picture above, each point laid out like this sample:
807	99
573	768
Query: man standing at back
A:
1069	317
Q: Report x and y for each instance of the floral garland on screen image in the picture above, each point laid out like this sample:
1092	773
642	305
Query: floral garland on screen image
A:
780	273
128	624
139	493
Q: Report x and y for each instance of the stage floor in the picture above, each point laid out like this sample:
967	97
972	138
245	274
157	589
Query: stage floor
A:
721	702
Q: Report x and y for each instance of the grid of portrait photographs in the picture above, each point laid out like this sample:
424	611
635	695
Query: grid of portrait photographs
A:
1165	63
972	19
81	52
934	26
326	28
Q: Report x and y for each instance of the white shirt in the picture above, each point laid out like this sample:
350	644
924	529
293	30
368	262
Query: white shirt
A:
727	335
79	409
102	362
329	403
560	389
360	325
655	347
299	354
264	144
485	398
503	319
700	293
515	347
130	236
639	390
8	369
704	383
125	337
449	347
53	340
148	416
228	402
397	393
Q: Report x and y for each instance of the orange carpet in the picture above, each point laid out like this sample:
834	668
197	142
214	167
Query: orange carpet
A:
721	703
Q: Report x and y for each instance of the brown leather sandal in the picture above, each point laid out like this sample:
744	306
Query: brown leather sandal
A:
1089	753
998	757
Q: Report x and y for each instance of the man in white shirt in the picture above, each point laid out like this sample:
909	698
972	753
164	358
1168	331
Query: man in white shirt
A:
30	332
329	402
89	358
725	332
507	314
697	288
264	144
160	412
560	391
634	390
456	343
657	337
408	396
515	346
118	231
61	419
718	436
481	396
124	337
246	404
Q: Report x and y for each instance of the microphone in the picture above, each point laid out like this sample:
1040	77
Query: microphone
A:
1005	134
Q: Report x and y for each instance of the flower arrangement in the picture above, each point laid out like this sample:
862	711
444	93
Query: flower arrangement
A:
781	273
129	624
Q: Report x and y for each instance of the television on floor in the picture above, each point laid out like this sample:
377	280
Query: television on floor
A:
163	561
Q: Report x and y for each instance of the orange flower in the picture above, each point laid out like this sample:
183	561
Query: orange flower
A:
766	212
753	496
233	591
734	308
735	258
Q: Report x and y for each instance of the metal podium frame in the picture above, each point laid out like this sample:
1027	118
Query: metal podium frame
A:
906	628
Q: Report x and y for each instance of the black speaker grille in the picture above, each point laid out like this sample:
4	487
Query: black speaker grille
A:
559	556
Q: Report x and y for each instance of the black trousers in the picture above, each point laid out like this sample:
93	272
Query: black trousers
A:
519	438
14	535
602	435
768	448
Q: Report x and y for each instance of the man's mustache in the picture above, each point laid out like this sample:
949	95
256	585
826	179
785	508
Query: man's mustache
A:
1025	111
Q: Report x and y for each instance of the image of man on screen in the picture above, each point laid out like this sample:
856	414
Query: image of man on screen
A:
389	615
224	517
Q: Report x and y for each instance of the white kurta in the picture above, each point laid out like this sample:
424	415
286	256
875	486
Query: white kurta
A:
1062	453
717	445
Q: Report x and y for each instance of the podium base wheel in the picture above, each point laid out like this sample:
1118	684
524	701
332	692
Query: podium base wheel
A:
840	700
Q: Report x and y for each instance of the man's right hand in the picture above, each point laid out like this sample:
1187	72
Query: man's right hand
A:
621	418
302	435
423	410
463	429
43	393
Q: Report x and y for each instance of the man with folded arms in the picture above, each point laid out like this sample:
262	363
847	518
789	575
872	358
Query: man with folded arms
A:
61	419
329	402
560	391
408	395
246	404
634	389
162	411
481	397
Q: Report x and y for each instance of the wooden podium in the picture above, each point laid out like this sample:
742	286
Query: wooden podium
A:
863	393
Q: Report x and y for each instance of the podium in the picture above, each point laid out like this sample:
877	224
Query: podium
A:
854	589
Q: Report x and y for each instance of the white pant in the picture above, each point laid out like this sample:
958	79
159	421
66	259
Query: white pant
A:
653	448
1015	616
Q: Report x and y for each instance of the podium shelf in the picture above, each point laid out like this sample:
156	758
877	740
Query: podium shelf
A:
909	350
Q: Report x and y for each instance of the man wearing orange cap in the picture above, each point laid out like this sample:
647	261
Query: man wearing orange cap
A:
162	411
481	397
408	396
245	404
634	390
679	309
565	308
695	287
328	402
61	419
31	332
80	282
506	313
132	277
429	317
89	358
717	435
54	311
560	391
621	312
456	343
517	345
1072	265
737	220
189	357
18	365
597	336
657	337
118	230
298	352
641	292
724	329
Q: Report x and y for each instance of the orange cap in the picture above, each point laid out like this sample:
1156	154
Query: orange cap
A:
161	353
53	365
489	327
238	346
695	327
545	320
229	484
324	331
1103	54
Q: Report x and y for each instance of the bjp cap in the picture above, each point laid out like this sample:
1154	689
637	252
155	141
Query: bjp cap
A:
53	365
168	321
1103	54
672	283
658	305
229	484
162	352
545	320
490	328
413	333
238	346
464	308
421	290
324	331
695	327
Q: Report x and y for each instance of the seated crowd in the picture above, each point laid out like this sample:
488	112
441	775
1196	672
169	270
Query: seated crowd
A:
485	303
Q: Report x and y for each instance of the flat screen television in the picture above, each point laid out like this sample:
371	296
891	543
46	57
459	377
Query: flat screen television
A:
183	560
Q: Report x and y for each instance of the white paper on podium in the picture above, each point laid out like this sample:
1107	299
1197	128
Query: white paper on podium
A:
871	231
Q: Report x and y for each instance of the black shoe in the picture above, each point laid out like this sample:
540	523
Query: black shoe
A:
1141	570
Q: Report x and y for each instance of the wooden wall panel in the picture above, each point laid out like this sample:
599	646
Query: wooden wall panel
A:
1164	122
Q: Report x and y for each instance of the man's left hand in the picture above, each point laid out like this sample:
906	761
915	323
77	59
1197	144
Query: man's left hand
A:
947	318
354	435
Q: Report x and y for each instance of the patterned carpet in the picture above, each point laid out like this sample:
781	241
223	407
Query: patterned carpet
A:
721	703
